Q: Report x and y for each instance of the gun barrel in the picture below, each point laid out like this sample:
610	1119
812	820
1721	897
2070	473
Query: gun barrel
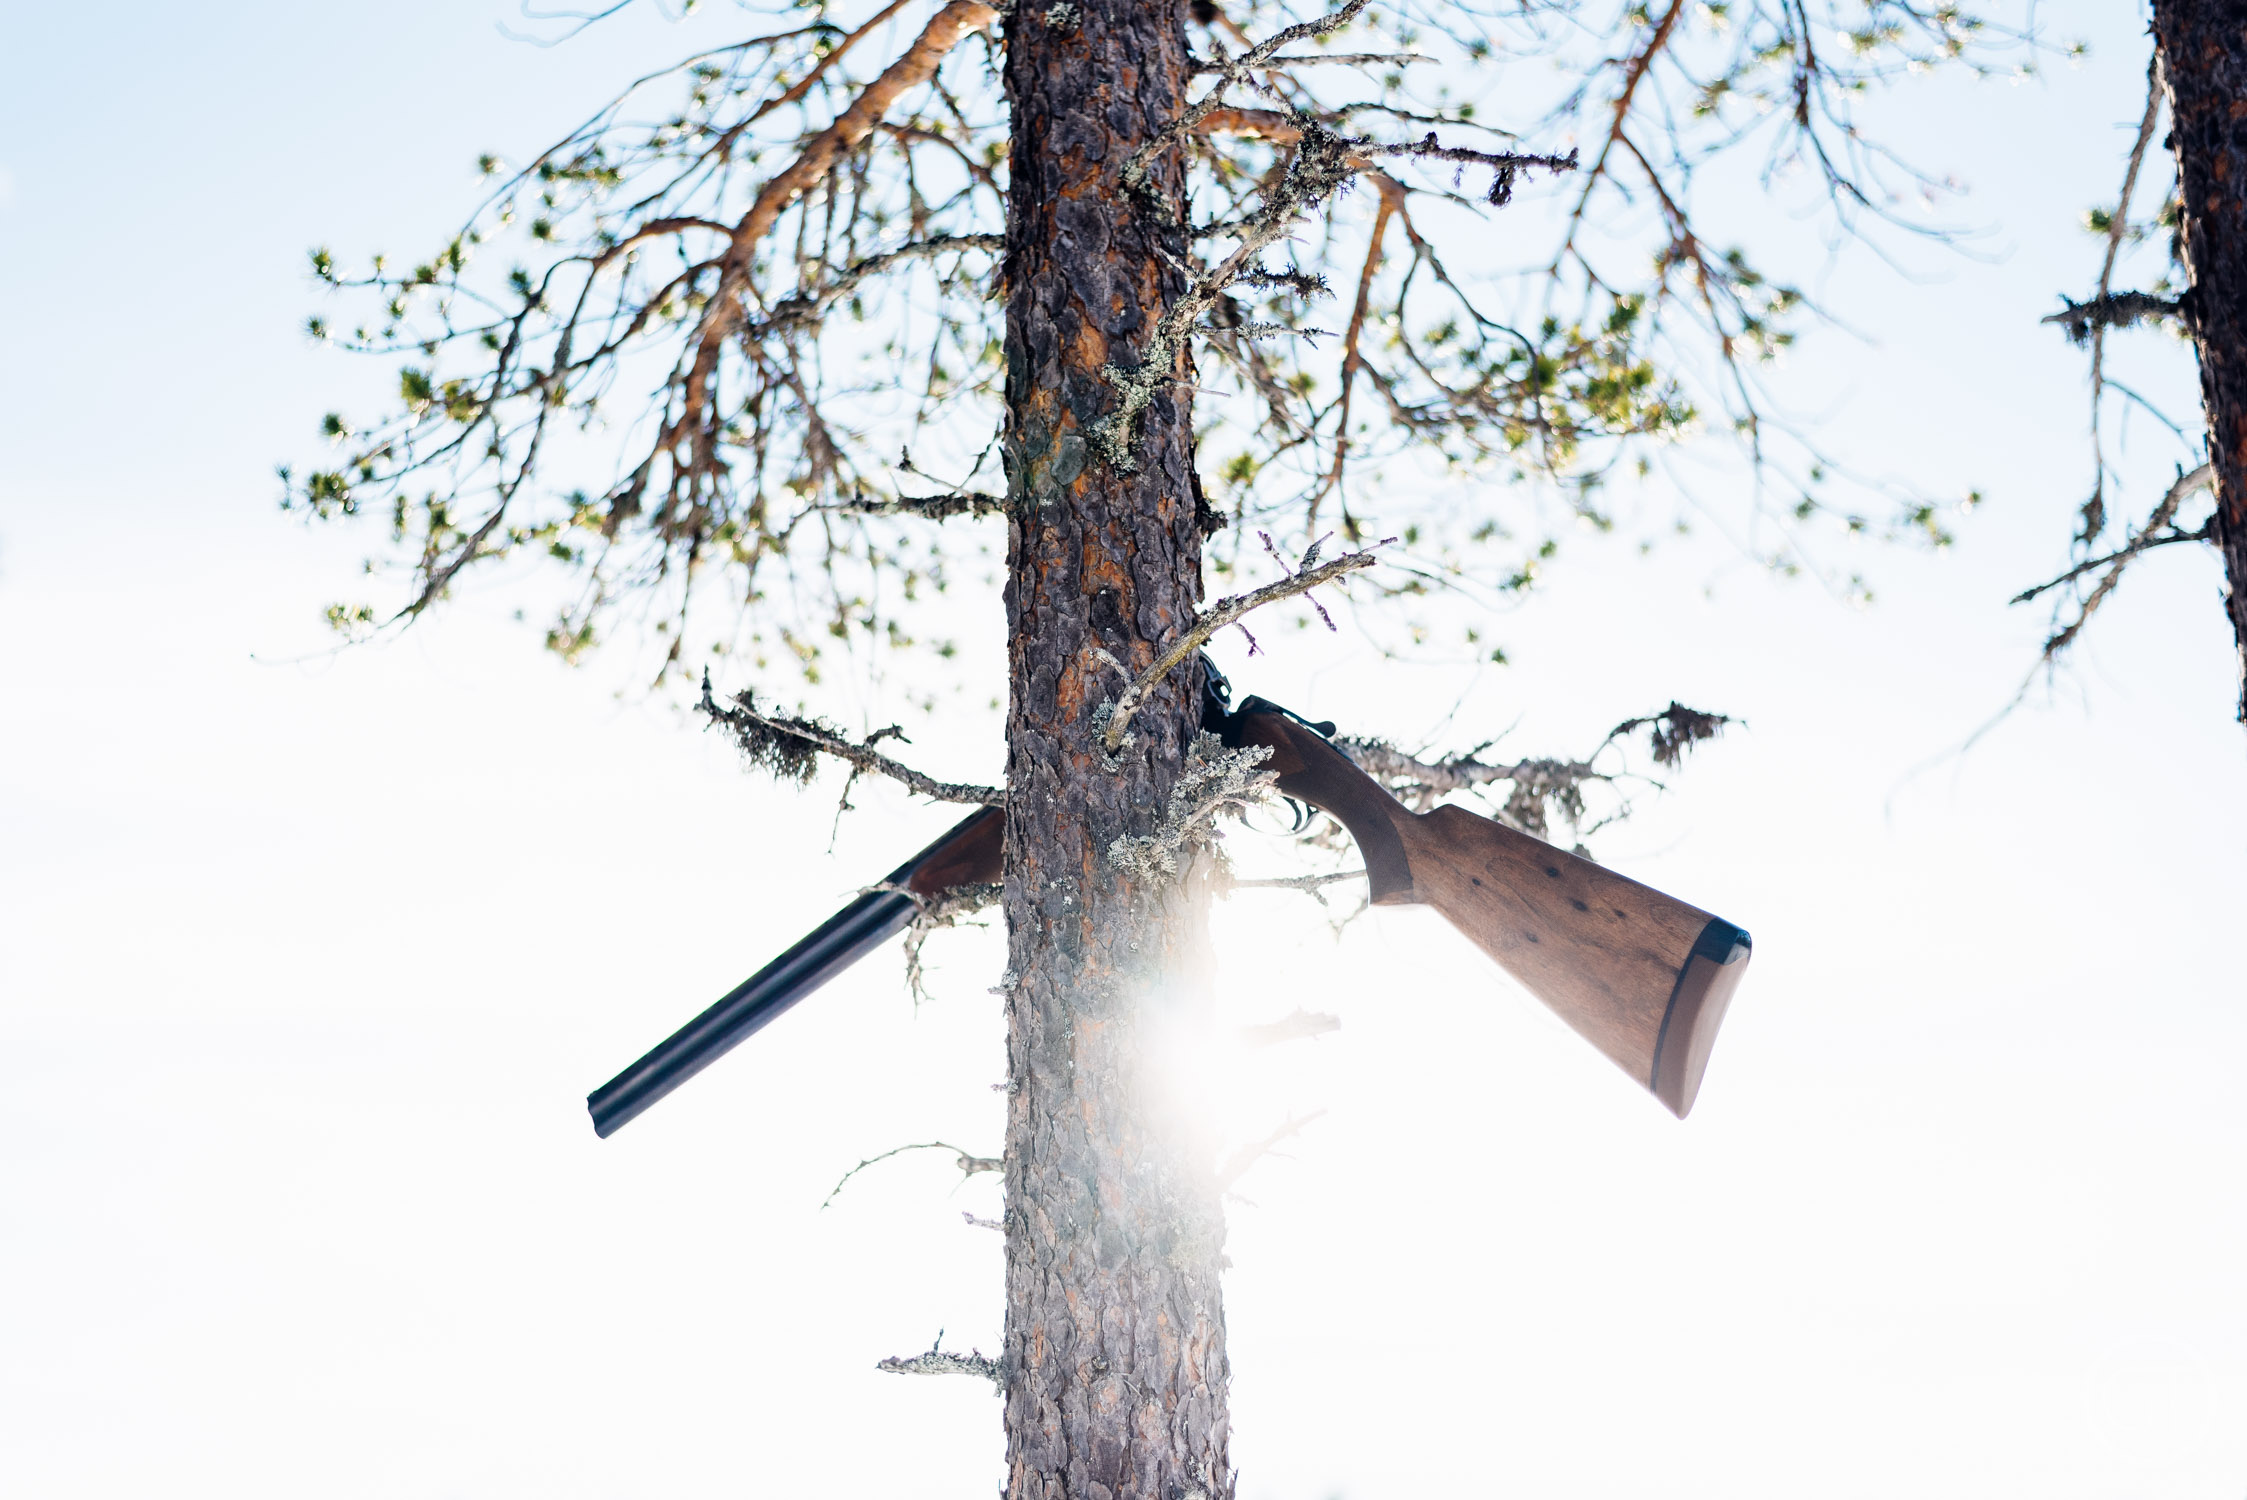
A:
969	849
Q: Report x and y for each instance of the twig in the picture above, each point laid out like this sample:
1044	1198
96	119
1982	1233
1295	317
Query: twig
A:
2164	514
789	747
2120	554
1249	1155
941	910
969	1163
1219	615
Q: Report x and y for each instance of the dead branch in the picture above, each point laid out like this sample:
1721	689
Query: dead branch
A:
928	507
1219	615
2158	531
1296	1025
968	1163
937	1362
974	1223
1541	788
945	909
1236	1165
2110	310
790	747
1675	730
1312	883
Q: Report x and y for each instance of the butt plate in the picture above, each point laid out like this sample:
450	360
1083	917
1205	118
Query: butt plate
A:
1704	990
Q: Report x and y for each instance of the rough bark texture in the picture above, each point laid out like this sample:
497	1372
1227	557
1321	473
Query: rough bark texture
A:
1115	1342
2203	47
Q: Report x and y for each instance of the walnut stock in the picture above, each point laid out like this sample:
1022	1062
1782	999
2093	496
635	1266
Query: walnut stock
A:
1640	975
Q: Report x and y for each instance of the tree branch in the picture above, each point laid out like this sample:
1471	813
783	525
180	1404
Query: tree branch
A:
1296	882
918	64
790	748
2110	310
1219	615
937	1362
1236	1165
969	1165
2148	537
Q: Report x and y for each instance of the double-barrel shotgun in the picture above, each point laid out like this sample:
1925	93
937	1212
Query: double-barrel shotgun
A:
1642	976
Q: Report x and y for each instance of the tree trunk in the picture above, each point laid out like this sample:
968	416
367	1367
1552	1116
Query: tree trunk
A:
1115	1338
2203	47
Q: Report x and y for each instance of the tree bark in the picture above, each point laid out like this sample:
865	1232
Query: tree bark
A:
2203	50
1115	1341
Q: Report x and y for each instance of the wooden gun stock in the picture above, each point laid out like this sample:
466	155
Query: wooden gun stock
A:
1640	975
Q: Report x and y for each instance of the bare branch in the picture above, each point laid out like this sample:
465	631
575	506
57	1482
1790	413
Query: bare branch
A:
945	909
1459	774
969	1164
2155	533
1219	615
1236	1165
928	507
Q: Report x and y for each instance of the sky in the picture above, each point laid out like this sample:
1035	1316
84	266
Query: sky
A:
308	959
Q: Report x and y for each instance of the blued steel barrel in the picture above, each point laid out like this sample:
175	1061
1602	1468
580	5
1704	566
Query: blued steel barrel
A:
968	851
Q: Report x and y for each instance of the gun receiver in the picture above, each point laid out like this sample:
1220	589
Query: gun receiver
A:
967	855
1640	975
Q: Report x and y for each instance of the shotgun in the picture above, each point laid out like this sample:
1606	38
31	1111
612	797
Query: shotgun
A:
1642	976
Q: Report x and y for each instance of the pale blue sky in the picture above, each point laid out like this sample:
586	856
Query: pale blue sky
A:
305	968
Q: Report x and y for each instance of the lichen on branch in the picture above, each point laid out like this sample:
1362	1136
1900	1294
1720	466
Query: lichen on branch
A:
1215	780
789	747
